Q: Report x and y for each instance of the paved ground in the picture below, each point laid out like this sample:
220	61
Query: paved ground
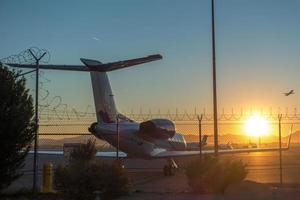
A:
150	183
176	188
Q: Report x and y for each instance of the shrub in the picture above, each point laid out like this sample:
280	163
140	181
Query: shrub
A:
85	153
82	177
211	175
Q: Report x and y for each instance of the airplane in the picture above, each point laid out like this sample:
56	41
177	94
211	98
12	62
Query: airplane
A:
151	139
196	145
225	146
289	93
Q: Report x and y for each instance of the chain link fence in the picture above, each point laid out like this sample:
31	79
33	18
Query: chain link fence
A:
60	125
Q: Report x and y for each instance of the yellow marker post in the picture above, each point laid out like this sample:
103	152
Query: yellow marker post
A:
47	178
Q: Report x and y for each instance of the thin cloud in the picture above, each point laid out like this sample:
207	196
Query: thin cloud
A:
95	38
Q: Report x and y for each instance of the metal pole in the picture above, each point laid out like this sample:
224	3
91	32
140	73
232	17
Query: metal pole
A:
35	164
200	134
214	79
118	137
280	150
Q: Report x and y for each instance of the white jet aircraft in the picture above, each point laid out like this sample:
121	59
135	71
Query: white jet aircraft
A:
152	139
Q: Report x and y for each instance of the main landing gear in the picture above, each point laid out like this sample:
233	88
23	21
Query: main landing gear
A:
170	168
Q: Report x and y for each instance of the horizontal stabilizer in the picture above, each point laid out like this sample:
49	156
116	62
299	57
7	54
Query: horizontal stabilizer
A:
95	65
51	67
92	65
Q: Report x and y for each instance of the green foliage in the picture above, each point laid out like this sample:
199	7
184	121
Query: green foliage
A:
82	177
16	125
211	175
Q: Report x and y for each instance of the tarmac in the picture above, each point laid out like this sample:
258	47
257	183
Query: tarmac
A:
148	181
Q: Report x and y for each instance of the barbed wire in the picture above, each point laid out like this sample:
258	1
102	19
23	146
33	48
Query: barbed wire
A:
55	113
47	102
25	57
53	108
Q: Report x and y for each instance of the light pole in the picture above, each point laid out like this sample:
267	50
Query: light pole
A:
215	103
280	150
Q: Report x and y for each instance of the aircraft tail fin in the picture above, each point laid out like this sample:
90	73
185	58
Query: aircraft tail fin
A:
106	110
103	97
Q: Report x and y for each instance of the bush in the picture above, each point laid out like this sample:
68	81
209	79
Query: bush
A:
211	175
85	153
82	177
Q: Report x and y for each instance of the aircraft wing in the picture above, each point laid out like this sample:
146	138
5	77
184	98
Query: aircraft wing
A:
47	152
172	154
98	154
92	65
169	154
110	154
163	153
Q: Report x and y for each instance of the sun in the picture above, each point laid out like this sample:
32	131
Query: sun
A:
256	126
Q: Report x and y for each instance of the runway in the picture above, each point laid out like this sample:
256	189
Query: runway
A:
263	167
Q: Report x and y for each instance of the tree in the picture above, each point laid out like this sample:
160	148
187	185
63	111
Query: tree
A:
16	125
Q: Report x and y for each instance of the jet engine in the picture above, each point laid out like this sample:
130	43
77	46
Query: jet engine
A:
157	128
92	128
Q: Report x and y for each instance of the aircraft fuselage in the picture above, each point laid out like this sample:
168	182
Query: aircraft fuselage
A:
134	144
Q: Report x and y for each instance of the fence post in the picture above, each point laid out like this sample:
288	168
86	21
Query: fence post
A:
280	150
118	137
36	135
200	134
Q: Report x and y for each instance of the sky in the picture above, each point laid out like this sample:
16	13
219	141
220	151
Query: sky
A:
257	50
